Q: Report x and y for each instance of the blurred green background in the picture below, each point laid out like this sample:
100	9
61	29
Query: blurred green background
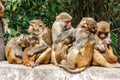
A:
18	13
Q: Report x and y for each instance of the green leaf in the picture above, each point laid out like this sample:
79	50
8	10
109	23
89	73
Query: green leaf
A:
14	6
13	32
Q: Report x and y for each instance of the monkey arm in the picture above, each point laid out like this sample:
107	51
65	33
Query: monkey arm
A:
56	30
107	39
5	25
66	34
38	49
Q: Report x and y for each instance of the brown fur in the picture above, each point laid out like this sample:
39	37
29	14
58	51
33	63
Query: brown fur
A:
29	60
104	58
77	62
41	52
80	54
13	49
59	51
59	24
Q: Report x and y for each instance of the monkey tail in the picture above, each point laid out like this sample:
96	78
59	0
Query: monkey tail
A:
117	65
53	57
78	70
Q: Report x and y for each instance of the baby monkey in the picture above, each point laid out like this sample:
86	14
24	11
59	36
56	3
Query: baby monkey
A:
103	53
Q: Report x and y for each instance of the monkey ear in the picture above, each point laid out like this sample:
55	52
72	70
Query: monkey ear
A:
41	25
57	18
84	23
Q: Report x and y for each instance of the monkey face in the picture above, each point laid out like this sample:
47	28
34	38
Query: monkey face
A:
89	24
1	9
102	35
103	29
68	25
36	27
23	40
31	28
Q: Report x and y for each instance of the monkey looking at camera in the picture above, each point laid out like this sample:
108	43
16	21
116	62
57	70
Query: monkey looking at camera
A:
103	53
61	24
14	48
38	30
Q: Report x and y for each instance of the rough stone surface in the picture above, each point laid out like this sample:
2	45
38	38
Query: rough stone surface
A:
51	72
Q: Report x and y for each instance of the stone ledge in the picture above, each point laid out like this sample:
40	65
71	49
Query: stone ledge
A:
51	72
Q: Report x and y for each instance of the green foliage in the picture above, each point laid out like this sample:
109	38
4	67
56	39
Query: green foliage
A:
20	12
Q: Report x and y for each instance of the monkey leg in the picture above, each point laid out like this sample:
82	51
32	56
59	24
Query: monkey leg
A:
12	58
53	55
31	60
109	56
71	57
44	57
98	59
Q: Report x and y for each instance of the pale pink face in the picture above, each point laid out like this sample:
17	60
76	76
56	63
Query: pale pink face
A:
31	28
103	35
68	24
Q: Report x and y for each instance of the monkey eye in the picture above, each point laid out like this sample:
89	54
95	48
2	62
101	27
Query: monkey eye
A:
40	25
68	21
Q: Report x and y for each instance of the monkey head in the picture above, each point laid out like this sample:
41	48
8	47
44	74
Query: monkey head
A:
23	40
36	26
103	29
88	24
2	9
65	18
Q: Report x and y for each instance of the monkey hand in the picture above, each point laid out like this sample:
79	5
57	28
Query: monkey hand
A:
7	30
18	55
57	41
100	47
108	41
31	53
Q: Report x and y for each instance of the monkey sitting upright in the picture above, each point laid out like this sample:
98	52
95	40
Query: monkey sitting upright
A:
14	49
103	53
61	24
38	30
79	56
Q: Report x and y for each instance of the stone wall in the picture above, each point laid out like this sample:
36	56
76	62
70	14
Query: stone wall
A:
51	72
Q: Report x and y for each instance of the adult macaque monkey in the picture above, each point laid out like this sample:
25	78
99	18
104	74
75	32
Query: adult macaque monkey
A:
38	30
61	24
14	48
103	53
2	24
79	56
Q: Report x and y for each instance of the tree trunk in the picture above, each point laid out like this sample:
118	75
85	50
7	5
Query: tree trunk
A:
2	46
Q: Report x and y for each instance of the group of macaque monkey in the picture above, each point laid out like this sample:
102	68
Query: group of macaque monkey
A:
73	49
